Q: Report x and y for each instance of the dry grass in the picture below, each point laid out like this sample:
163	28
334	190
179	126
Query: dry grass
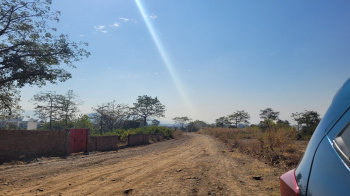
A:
177	134
276	145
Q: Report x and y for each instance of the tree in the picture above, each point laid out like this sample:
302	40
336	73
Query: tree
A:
239	117
83	122
268	115
30	51
9	99
308	120
9	107
68	106
155	122
181	121
50	107
196	125
281	123
111	115
223	121
147	106
297	116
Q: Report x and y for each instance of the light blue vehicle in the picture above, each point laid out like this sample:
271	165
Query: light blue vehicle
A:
325	166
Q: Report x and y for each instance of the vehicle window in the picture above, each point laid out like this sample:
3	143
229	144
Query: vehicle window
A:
342	143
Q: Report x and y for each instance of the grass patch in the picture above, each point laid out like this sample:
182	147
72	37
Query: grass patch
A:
276	145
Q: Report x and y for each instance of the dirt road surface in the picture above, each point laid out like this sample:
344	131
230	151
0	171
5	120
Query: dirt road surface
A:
194	164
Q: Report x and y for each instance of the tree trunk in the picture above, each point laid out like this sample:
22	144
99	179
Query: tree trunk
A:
144	121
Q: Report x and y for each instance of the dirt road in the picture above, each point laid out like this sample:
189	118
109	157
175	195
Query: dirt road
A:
192	165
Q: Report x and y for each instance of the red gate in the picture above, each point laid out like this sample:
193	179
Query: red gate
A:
77	140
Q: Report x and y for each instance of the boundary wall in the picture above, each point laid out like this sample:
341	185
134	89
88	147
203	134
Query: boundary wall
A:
25	144
138	139
102	143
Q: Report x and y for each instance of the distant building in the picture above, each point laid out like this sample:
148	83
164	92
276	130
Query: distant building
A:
14	123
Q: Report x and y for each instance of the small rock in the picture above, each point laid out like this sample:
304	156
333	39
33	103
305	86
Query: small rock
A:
179	170
220	187
41	190
269	188
257	177
127	191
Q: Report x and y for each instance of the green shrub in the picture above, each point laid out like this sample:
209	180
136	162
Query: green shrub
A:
154	129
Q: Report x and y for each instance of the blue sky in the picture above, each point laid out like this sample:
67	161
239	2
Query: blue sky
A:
207	59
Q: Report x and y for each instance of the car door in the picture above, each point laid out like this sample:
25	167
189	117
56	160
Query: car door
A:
330	174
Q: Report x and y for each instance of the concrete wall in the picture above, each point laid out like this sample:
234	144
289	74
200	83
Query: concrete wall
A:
138	139
102	143
23	144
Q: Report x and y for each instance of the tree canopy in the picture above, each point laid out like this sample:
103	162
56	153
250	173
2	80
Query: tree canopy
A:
55	107
269	115
110	115
239	117
308	120
196	125
31	51
223	121
181	121
146	106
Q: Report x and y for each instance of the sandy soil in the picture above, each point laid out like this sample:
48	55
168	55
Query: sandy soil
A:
191	165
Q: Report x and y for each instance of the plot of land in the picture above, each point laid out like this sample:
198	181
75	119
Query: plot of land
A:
192	165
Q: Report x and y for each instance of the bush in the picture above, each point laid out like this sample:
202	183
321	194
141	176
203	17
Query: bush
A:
154	129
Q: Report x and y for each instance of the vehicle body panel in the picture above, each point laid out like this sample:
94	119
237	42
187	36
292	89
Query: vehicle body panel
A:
320	156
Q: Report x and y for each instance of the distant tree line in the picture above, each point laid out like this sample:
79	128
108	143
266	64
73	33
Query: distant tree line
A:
59	112
307	121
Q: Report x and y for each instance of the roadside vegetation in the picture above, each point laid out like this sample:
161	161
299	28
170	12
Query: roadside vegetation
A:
272	140
275	145
154	129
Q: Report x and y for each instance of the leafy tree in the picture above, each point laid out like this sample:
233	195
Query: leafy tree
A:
111	115
68	106
155	122
297	116
9	99
57	125
47	106
181	121
83	122
268	115
30	50
223	121
196	125
9	107
147	106
310	118
309	121
239	117
282	123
